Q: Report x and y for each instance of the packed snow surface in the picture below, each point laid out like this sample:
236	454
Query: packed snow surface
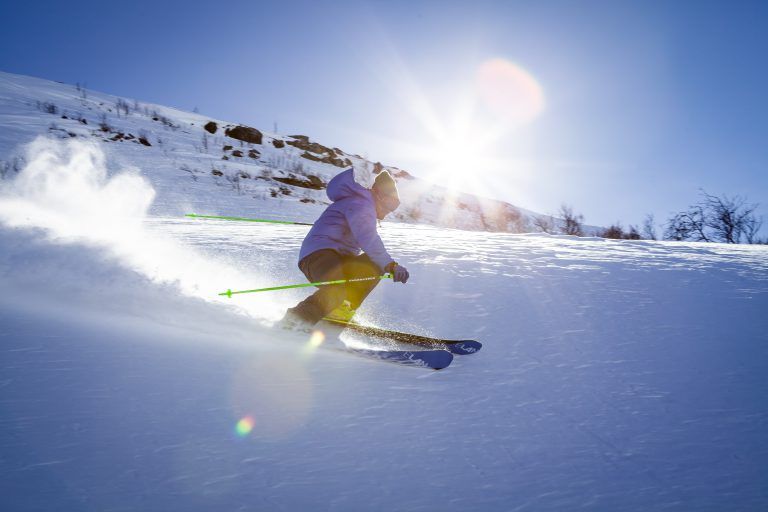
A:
615	375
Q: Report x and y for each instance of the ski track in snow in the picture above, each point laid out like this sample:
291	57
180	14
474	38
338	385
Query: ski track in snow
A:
614	375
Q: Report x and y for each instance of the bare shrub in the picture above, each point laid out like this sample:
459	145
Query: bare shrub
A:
162	119
192	172
122	105
729	218
614	231
81	88
47	107
649	227
234	180
678	228
572	223
716	219
544	223
104	123
688	225
752	226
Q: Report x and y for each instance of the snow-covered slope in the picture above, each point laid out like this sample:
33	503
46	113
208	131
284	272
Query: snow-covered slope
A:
209	166
615	375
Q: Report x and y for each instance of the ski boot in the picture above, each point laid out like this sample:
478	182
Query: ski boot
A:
293	322
343	313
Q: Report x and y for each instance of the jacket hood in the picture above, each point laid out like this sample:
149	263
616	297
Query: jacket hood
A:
345	184
361	181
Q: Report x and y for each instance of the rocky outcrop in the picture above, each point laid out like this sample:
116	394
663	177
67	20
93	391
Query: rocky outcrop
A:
317	152
211	127
310	156
311	181
303	142
244	133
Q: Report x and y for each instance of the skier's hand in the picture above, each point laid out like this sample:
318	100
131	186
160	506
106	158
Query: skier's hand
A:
399	273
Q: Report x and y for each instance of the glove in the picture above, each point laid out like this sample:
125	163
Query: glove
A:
399	273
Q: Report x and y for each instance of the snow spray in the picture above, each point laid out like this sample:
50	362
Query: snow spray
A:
66	190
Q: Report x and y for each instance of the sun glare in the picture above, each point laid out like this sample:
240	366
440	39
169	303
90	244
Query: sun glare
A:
503	97
460	129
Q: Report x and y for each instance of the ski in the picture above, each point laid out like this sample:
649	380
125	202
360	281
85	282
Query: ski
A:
328	338
458	347
434	359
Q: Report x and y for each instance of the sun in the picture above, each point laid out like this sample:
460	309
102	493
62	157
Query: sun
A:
459	129
455	158
464	136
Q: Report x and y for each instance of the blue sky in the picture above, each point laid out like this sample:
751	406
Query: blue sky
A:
644	102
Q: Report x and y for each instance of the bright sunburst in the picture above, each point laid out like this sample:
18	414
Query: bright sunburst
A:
463	135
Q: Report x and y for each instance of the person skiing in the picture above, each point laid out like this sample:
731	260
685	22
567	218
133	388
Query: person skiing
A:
345	244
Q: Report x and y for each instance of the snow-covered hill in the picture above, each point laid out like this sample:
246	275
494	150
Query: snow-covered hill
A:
209	166
615	375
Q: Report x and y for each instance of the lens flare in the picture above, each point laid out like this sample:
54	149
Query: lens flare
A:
509	91
245	426
276	392
317	339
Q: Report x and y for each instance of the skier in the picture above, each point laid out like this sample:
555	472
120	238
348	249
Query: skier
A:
344	244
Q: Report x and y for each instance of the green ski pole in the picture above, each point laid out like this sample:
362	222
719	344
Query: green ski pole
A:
245	219
230	293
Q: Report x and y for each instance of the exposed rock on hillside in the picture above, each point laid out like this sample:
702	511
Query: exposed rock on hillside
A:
211	127
311	181
244	133
317	152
